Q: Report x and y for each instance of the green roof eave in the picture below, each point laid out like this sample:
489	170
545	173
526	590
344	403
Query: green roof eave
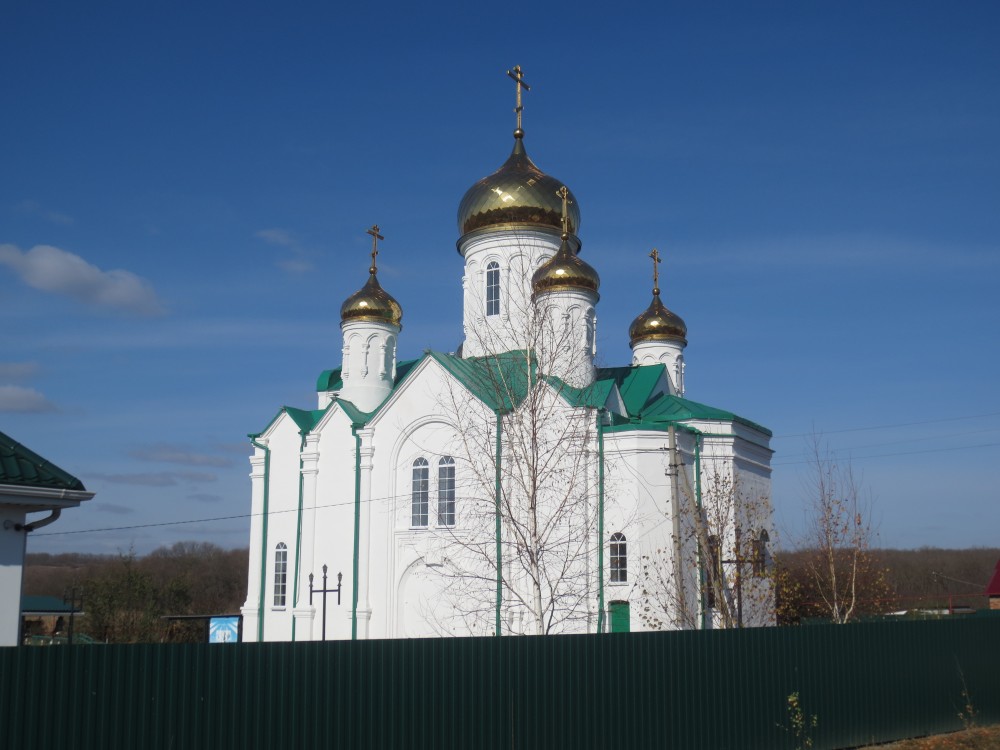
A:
304	419
667	409
358	418
22	467
500	381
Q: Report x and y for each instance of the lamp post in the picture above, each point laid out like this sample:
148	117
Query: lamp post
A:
324	591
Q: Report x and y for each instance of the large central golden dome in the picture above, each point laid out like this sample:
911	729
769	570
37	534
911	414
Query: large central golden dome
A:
518	193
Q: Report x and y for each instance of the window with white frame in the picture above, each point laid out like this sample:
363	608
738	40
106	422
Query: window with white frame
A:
619	558
420	494
493	288
280	574
446	491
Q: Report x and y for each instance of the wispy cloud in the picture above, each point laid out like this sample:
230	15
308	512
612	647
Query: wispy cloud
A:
280	237
118	510
156	479
33	208
50	269
298	262
22	400
175	454
205	497
13	371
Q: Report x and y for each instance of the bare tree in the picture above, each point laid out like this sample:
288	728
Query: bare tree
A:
717	572
843	572
526	535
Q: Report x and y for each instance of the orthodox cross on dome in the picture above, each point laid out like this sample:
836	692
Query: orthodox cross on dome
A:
375	238
563	193
518	78
655	255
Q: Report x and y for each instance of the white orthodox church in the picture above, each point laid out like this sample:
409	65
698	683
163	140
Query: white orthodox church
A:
511	487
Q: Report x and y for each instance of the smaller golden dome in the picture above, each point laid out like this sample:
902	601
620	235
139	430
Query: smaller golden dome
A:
657	323
371	303
564	270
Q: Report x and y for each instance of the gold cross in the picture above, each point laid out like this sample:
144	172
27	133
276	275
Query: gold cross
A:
655	255
563	193
375	238
519	80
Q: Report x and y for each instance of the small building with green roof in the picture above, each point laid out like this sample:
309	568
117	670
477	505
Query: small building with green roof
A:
29	484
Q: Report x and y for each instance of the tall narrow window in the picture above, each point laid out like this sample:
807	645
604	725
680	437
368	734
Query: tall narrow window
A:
420	497
446	491
760	554
493	289
280	574
713	577
619	559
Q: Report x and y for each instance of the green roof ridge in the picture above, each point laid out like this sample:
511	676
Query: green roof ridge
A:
22	467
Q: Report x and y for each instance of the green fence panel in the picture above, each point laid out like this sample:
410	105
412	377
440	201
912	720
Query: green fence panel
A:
868	682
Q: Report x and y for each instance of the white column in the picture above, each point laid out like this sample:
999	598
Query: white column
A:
12	545
304	613
251	609
364	533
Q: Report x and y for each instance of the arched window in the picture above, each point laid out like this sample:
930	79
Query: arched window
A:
446	491
280	574
619	559
419	498
493	288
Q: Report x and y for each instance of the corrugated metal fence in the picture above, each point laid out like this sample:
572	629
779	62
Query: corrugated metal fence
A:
728	689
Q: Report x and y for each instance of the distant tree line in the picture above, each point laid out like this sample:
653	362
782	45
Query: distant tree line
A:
127	598
888	580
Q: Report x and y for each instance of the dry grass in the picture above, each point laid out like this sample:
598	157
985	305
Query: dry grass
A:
980	738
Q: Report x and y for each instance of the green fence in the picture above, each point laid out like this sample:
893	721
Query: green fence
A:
716	690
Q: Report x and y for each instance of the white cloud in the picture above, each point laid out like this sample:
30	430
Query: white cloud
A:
18	370
50	269
295	265
15	398
280	237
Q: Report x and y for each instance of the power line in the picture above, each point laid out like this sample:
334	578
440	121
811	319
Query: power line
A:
885	426
901	453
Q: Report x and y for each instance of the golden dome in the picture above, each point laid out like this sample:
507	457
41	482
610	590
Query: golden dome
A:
371	303
564	270
518	193
657	323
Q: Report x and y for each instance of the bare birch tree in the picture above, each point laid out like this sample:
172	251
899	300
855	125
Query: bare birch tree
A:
546	466
843	573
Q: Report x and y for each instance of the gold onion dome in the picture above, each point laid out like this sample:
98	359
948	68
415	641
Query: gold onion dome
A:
657	323
518	193
371	303
564	270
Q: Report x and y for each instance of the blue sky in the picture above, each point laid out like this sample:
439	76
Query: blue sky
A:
186	188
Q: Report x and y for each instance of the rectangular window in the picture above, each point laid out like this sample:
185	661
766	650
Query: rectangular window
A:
280	574
493	289
446	492
619	559
420	498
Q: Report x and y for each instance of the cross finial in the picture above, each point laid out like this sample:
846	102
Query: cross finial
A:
375	238
563	193
519	80
655	255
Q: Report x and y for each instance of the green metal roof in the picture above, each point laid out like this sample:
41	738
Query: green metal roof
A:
500	381
45	605
330	380
21	466
666	409
635	384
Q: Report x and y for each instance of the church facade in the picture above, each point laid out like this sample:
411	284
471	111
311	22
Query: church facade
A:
511	487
